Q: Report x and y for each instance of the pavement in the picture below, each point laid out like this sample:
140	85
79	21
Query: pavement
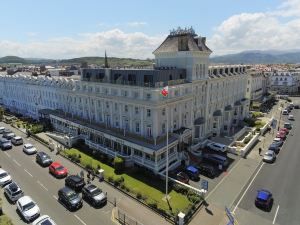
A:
42	187
230	187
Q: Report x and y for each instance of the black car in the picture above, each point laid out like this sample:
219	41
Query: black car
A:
94	195
43	159
69	198
274	147
75	182
207	170
264	199
296	106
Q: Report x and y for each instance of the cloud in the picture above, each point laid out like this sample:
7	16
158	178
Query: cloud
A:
116	42
136	24
32	34
278	29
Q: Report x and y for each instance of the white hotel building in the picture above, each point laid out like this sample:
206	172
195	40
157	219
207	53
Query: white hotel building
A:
121	112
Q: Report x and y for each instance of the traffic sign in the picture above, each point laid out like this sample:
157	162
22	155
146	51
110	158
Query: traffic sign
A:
229	215
204	185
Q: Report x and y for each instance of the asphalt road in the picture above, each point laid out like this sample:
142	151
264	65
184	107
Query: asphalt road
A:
42	187
281	178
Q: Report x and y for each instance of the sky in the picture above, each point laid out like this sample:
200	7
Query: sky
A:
61	29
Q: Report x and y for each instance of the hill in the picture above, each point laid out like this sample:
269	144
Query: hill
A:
12	59
258	57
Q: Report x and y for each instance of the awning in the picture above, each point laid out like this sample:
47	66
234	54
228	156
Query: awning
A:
228	108
217	113
199	121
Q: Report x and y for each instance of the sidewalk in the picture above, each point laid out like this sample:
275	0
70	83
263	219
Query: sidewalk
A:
226	192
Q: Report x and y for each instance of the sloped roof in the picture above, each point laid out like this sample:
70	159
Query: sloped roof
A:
170	44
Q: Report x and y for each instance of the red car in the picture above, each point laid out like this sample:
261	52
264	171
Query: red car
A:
285	130
281	135
57	170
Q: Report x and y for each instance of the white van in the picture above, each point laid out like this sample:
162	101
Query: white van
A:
285	112
217	147
17	140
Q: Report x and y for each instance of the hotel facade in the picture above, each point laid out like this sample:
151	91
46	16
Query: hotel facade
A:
121	112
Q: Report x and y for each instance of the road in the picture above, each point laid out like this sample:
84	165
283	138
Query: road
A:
42	187
281	179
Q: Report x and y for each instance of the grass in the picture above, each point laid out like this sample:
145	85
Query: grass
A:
150	189
4	219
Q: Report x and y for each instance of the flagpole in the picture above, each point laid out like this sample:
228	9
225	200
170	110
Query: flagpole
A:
167	160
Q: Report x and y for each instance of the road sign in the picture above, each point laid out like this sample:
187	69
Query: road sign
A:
229	215
204	185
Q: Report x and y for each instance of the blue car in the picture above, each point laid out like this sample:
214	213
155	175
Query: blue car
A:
264	199
192	172
274	147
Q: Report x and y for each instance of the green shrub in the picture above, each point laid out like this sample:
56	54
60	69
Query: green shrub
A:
88	167
247	139
152	204
180	189
119	164
110	179
138	195
118	181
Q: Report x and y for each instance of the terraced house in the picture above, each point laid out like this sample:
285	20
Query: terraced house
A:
122	112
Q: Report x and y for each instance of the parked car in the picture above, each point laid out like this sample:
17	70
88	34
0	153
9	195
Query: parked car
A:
6	131
5	178
13	192
207	170
75	182
44	220
5	144
192	172
29	149
69	198
9	136
28	208
183	177
296	107
291	117
17	140
94	195
57	170
264	199
217	147
287	131
269	156
281	135
285	112
274	147
278	142
288	126
43	159
2	129
216	159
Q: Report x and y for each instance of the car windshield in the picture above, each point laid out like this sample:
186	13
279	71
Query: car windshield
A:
60	168
29	146
6	142
16	193
268	154
28	206
71	195
3	175
96	192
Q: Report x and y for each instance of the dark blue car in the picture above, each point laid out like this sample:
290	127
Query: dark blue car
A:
192	172
264	199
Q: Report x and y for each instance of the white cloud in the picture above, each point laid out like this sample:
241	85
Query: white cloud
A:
278	29
116	42
136	24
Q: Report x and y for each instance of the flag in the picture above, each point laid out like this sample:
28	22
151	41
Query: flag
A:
165	91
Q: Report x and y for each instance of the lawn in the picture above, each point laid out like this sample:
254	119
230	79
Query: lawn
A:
4	220
137	183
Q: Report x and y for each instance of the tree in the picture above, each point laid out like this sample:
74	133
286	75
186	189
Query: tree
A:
119	164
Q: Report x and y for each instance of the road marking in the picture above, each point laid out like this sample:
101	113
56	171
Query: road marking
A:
8	155
79	219
213	190
28	173
276	214
15	161
42	185
54	197
247	188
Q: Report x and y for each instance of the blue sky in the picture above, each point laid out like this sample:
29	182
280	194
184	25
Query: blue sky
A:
116	26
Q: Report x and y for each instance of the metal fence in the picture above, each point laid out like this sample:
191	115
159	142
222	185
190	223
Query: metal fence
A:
124	219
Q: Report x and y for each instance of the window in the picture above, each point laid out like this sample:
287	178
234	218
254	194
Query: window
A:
148	112
136	109
176	93
107	105
137	127
175	124
163	112
117	123
149	131
124	93
116	106
148	96
126	108
163	128
135	94
175	109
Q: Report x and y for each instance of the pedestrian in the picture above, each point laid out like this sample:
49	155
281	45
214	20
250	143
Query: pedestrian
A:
81	174
259	151
88	174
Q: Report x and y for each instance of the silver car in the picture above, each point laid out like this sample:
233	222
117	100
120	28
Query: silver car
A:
269	156
13	192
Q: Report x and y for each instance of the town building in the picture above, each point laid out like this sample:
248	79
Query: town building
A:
121	112
285	81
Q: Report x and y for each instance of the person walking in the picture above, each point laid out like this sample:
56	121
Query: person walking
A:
259	151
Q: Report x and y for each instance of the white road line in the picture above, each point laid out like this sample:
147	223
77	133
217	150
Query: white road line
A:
213	190
28	173
8	155
15	161
275	214
42	185
79	219
54	197
247	188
